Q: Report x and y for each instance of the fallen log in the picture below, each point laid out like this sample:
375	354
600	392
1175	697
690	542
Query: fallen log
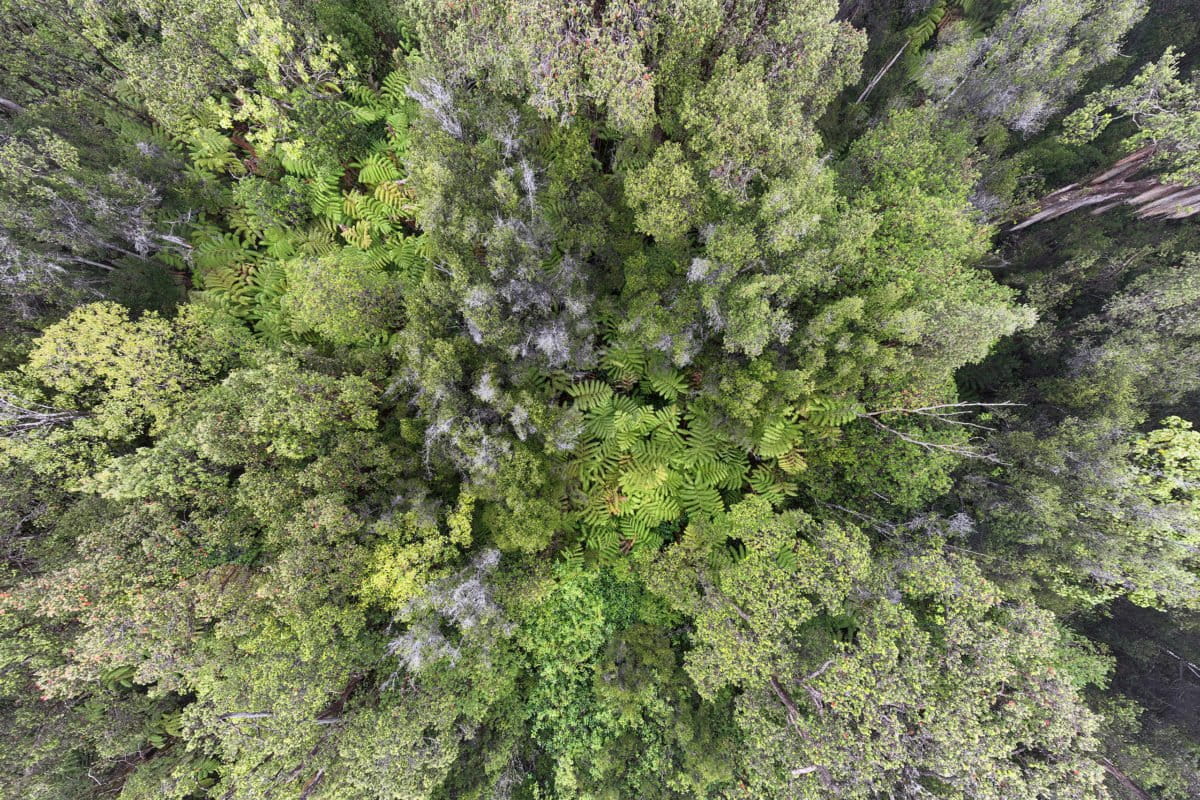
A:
1119	185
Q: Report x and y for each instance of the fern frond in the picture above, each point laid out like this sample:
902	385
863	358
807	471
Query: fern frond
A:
358	235
700	499
212	151
825	412
667	383
572	557
219	250
778	437
394	88
626	363
299	165
377	168
590	394
792	462
764	482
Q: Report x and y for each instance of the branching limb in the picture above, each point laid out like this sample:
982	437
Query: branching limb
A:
20	418
961	450
942	412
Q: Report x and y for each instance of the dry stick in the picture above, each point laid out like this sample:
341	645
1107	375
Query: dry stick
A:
879	75
819	671
18	419
945	412
239	715
311	786
960	408
826	778
1193	668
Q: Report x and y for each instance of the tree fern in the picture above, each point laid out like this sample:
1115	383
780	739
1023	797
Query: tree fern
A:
398	126
646	466
792	462
412	256
377	168
786	558
923	28
316	241
118	677
601	422
214	250
300	165
778	437
625	364
765	482
832	413
667	383
700	498
279	242
273	326
397	197
704	442
212	151
589	394
358	235
572	557
394	88
325	197
270	282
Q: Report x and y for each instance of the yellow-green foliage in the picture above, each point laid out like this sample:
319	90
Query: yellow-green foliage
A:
652	454
413	551
264	272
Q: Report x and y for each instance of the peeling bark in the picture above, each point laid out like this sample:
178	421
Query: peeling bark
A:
1118	185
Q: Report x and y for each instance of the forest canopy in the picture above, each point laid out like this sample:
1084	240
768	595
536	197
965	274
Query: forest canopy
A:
656	399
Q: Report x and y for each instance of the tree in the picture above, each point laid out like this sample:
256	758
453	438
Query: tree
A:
1164	109
587	400
1037	54
859	676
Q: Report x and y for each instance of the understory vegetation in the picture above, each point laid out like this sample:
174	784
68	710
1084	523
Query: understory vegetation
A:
452	399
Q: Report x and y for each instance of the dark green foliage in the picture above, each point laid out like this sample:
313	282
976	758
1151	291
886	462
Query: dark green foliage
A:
517	400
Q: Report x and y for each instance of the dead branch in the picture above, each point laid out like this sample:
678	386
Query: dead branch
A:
879	75
19	418
945	412
963	451
785	698
1123	779
1118	185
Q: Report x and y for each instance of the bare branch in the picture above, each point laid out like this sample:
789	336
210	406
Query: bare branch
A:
1123	779
19	418
820	671
822	772
963	451
879	75
785	698
240	715
942	412
12	108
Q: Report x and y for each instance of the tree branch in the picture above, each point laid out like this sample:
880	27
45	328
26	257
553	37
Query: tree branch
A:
963	451
786	699
879	75
1123	779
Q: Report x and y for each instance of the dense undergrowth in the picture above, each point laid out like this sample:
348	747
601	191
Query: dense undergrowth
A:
594	400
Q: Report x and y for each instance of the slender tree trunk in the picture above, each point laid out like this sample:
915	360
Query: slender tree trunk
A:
11	107
879	75
1123	779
